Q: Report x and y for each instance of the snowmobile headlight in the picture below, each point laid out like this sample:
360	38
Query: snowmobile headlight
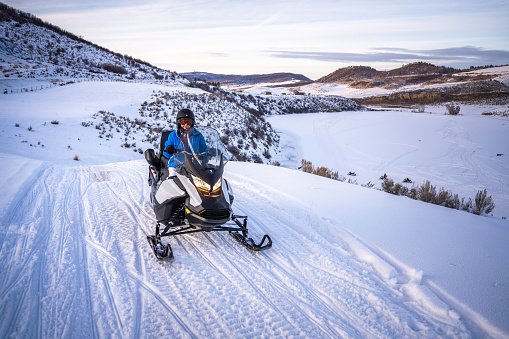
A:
217	185
199	183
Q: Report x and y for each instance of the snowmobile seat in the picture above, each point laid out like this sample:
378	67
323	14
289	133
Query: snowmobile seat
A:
164	160
164	138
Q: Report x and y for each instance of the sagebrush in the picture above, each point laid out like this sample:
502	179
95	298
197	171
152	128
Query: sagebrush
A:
426	192
429	193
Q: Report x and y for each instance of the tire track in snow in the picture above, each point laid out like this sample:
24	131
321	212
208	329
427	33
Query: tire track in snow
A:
15	217
84	281
281	310
21	284
366	295
133	209
153	290
286	269
243	255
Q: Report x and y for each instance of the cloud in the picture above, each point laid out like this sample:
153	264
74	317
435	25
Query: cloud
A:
219	55
454	55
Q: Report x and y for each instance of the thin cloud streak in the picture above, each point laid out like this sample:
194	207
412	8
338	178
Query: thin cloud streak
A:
457	55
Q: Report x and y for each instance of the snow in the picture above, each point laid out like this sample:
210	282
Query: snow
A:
347	261
502	73
464	154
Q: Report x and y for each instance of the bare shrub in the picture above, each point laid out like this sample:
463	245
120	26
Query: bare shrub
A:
447	199
368	185
466	206
257	159
114	69
452	109
413	193
321	171
306	166
482	203
388	185
427	192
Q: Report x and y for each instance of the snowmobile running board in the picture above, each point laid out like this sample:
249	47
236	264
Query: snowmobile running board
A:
164	252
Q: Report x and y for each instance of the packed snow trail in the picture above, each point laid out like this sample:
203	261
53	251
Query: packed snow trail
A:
76	263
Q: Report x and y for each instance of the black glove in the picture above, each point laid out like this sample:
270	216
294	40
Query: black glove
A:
170	149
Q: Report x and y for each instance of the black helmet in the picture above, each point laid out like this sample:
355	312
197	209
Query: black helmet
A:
185	113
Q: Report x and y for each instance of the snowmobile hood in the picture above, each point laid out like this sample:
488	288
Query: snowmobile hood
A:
210	174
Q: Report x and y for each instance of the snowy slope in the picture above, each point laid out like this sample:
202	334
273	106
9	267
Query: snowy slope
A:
75	261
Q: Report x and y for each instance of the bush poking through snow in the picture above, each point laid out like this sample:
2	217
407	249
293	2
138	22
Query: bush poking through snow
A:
428	193
307	166
452	109
76	158
425	192
483	203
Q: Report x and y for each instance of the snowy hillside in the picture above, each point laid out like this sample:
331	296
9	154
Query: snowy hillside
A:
36	56
480	85
31	49
347	261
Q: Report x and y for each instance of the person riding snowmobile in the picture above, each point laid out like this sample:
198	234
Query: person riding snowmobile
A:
188	191
185	138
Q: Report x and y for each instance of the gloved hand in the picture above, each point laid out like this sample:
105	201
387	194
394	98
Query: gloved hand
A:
170	149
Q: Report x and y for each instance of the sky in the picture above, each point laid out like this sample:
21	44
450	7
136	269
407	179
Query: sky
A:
313	38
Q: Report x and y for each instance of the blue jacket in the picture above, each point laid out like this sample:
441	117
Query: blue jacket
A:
196	140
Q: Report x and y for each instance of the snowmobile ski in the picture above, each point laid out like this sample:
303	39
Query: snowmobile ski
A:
241	236
162	252
249	242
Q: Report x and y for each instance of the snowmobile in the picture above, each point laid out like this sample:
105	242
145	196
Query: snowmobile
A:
198	198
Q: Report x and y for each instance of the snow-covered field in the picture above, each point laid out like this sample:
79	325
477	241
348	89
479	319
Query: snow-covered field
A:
464	154
347	261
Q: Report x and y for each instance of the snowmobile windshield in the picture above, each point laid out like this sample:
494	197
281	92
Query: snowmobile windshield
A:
204	147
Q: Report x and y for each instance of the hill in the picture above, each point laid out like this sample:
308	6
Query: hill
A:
35	55
366	77
32	48
416	83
